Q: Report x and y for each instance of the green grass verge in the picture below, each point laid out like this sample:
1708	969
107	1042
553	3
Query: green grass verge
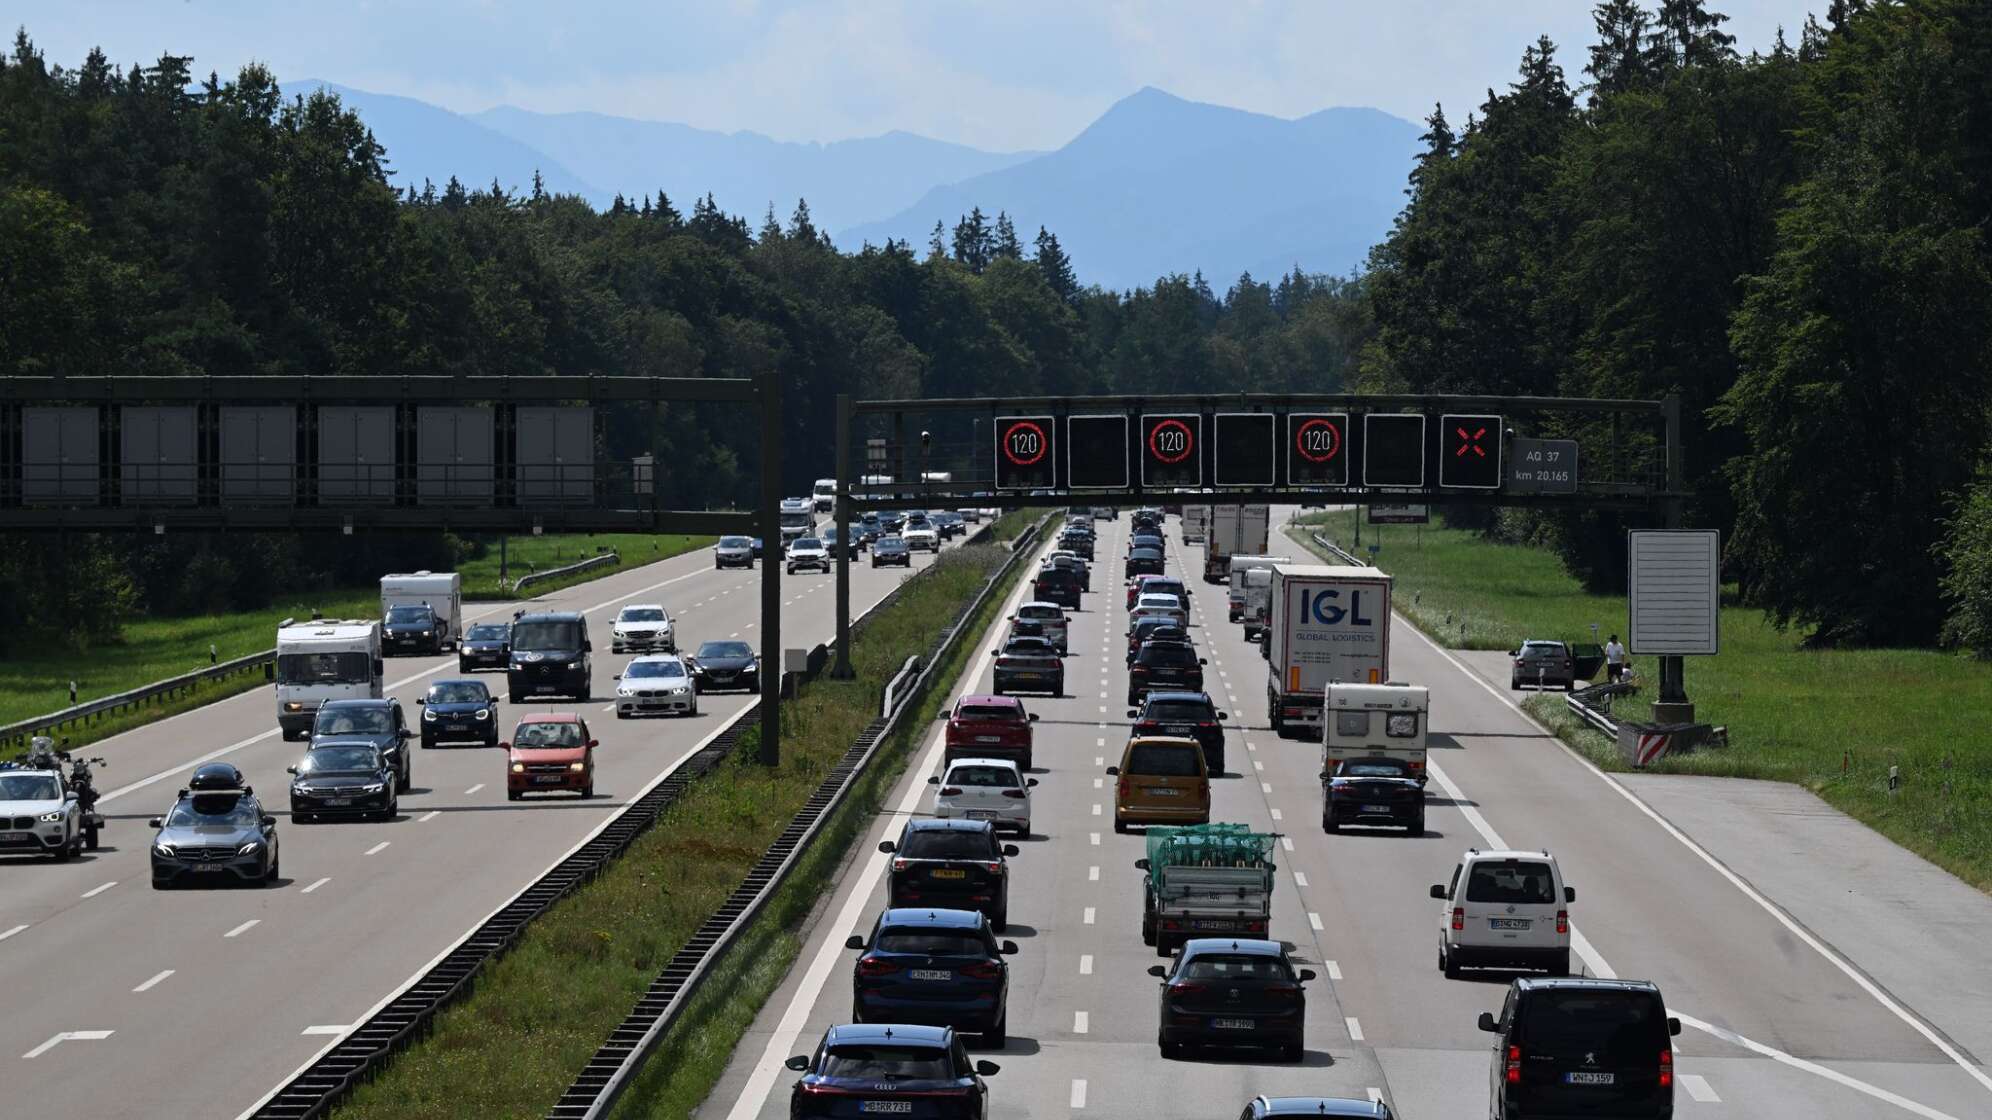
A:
525	554
539	1012
1833	721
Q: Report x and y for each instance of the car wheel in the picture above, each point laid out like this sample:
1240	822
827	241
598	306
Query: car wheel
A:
620	714
1024	829
587	694
588	791
998	1034
511	795
1293	1051
1514	684
1416	827
1119	824
462	665
1000	921
615	649
515	697
392	811
1328	824
275	872
90	838
1449	965
1148	929
62	854
428	743
1560	965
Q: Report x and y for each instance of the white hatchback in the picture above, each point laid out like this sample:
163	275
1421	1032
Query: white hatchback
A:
1505	909
984	789
657	684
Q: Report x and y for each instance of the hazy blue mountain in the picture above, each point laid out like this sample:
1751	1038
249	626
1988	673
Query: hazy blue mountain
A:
424	141
846	182
1159	184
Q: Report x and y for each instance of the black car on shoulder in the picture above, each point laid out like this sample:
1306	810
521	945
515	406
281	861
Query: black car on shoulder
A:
1164	665
721	665
216	831
1057	585
1190	715
411	628
891	550
342	779
379	722
1233	993
1144	562
1380	790
486	645
459	712
943	968
897	1070
550	657
1582	1046
953	863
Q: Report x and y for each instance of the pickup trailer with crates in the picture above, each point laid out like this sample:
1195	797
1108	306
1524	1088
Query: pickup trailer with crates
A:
1328	625
1207	880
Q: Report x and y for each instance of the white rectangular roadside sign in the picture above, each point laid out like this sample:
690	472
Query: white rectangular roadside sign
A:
1676	591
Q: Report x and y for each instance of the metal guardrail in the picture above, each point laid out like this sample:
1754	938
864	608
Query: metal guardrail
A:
608	1073
885	703
19	732
604	560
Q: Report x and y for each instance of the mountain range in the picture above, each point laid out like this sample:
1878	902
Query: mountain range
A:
1156	185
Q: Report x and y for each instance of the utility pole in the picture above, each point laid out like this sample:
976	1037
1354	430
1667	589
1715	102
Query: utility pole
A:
771	567
1673	705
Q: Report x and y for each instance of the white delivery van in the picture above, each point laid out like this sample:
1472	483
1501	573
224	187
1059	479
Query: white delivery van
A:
1258	601
441	592
825	495
1328	624
1235	569
320	660
1376	721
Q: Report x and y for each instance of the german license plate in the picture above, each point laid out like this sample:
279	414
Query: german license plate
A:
209	867
988	738
1585	1077
931	974
1165	791
1376	808
548	779
337	802
1178	729
886	1106
950	873
1213	925
542	688
1234	1024
1507	923
16	837
982	814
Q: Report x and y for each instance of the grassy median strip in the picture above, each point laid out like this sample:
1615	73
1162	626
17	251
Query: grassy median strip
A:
539	1012
1831	720
524	555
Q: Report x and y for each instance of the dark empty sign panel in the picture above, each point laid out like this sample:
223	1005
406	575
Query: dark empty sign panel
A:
555	461
356	453
159	461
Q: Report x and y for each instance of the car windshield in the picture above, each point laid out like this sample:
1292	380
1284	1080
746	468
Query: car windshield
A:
324	668
945	943
1627	1025
804	544
1158	630
487	632
1163	760
548	735
1178	711
988	713
1160	602
948	844
352	721
1168	656
725	649
408	614
891	544
735	542
654	669
1516	881
458	692
906	1063
1001	777
213	809
1373	768
1239	966
325	759
30	787
547	635
641	614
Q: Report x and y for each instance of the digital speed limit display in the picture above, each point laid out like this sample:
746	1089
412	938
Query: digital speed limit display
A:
1317	449
1172	449
1026	452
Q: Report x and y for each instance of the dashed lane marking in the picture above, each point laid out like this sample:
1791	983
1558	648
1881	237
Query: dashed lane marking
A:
1314	920
316	885
473	789
1087	918
429	816
1334	970
1079	1022
1355	1029
1697	1087
379	847
154	982
1086	964
95	891
245	927
9	933
1299	878
1078	1093
1093	874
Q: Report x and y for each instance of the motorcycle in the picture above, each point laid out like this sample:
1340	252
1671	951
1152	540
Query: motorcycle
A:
43	754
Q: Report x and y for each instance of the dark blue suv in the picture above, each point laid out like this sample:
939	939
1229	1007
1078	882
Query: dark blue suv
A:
943	968
900	1069
459	711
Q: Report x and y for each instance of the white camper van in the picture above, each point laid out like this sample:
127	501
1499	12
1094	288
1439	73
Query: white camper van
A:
320	660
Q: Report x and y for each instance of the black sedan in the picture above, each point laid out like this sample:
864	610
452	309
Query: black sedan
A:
343	780
1164	665
1144	562
486	645
724	665
379	722
1373	791
953	863
1190	715
215	836
900	1070
1234	993
459	712
891	550
943	968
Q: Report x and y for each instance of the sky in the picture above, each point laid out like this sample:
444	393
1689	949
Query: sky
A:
995	74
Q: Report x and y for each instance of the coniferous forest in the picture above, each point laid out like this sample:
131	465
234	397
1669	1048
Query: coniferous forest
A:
1791	236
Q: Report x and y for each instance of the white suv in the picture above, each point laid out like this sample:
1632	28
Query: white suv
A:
40	811
808	553
985	789
642	626
1505	909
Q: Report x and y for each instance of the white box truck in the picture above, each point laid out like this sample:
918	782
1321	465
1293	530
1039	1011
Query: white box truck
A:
1234	531
1196	523
320	660
1236	570
797	519
1328	624
421	612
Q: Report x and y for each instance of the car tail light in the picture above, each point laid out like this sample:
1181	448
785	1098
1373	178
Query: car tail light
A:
950	791
1150	724
1016	793
1139	670
1459	917
1667	1068
1124	788
1207	723
1563	921
981	971
1185	989
993	868
1415	765
1283	993
900	865
1514	1067
872	967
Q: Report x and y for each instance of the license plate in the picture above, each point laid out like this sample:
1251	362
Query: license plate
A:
336	802
886	1106
1234	1024
950	873
1213	925
1164	791
1376	808
988	738
931	974
982	814
16	837
457	728
1178	729
1587	1078
1507	923
542	688
209	867
548	779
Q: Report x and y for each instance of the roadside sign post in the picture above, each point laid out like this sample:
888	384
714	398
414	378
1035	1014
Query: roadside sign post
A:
771	567
841	668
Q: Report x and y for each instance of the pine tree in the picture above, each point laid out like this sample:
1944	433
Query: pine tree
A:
1440	144
771	230
1056	266
664	212
455	197
539	187
972	241
618	208
801	229
1006	238
936	242
1685	33
644	210
1623	58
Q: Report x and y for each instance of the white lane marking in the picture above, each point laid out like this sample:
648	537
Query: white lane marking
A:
1103	696
1374	1093
608	707
1697	1087
1079	1023
1078	1093
1299	878
1846	967
1096	808
1355	1029
95	891
1276	814
1086	965
473	789
316	885
1257	765
1096	839
735	634
65	1036
1087	917
327	1028
9	933
1099	760
1287	843
378	847
154	982
429	816
1101	741
1099	783
1093	873
1265	787
1314	920
1103	709
245	927
1252	747
1334	970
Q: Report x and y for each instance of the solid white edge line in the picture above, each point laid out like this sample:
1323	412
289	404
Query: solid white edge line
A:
1832	1075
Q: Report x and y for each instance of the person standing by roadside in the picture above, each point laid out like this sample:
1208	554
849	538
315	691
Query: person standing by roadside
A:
1614	660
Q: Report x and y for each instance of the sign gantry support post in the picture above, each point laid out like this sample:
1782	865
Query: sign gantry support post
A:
1673	705
771	568
841	670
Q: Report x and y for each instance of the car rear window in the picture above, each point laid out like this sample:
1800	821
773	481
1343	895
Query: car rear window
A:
939	942
948	844
1168	656
1226	966
1163	760
1177	710
1001	777
986	713
1543	649
1041	614
1521	881
1627	1025
918	1063
1373	768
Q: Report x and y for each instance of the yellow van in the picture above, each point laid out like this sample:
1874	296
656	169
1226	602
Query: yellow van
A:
1162	780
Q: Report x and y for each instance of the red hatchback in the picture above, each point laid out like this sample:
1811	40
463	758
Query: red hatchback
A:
550	751
989	727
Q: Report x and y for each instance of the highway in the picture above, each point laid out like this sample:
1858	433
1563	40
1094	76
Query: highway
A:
123	1001
1777	1023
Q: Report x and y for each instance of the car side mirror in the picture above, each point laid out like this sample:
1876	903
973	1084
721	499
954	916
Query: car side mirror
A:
1007	948
1158	971
593	743
153	823
1570	894
1141	864
1673	1025
421	703
615	676
1113	770
1132	714
799	1063
504	746
934	781
404	733
290	769
942	714
1438	891
1224	715
1202	661
268	820
1514	653
1031	718
854	942
1029	782
1306	974
887	846
1488	1024
1010	849
987	1069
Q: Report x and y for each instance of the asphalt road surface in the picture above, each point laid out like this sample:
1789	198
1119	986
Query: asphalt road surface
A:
1776	1023
122	1001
